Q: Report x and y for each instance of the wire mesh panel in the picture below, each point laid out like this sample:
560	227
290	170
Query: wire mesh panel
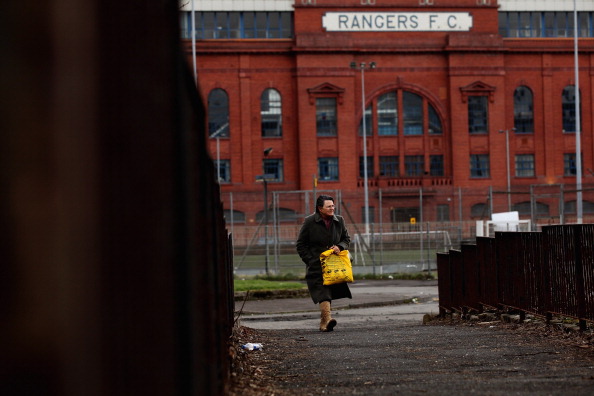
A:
391	242
456	210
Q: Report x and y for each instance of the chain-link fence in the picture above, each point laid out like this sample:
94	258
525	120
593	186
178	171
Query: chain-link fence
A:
406	227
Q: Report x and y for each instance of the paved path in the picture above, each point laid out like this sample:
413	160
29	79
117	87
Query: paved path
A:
365	293
382	348
372	300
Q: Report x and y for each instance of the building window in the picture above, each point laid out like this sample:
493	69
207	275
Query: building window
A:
234	216
282	215
569	167
525	165
368	123
571	207
287	215
326	116
568	109
279	25
238	25
271	113
434	122
224	170
328	169
479	211
478	114
519	24
413	113
545	24
413	117
218	113
436	165
556	24
479	166
586	24
525	208
273	169
443	213
387	114
414	165
388	166
525	24
401	115
404	215
523	110
369	167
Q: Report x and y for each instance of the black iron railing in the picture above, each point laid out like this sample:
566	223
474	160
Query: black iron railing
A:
544	273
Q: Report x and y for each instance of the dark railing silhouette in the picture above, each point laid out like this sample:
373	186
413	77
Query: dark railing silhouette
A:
116	263
543	273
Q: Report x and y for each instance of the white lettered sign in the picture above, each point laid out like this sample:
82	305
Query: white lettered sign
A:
397	21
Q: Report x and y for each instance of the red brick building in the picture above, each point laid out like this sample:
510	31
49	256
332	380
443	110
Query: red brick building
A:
451	89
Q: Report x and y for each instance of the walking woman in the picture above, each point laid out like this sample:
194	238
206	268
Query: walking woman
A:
321	231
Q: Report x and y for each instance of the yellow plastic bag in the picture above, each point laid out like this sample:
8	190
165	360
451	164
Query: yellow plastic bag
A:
336	268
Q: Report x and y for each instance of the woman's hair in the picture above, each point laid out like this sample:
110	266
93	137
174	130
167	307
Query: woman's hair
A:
320	201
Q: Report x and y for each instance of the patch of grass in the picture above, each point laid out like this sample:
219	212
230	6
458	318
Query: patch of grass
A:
292	260
402	276
288	276
262	284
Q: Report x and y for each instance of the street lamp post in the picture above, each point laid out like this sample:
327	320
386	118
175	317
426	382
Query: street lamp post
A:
362	66
266	222
507	166
218	159
217	134
194	43
264	178
578	147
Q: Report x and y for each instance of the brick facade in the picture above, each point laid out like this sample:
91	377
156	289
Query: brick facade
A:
444	68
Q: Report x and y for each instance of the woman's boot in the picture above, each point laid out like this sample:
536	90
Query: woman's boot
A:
326	322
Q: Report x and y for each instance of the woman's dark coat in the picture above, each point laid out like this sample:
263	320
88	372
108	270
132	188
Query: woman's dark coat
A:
313	239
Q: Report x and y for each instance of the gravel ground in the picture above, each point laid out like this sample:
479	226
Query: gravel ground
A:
441	357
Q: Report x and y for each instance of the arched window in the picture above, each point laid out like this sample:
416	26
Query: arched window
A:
523	110
571	207
368	123
412	118
399	115
568	109
479	211
524	208
271	113
234	217
218	113
413	113
285	214
387	114
434	121
280	214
